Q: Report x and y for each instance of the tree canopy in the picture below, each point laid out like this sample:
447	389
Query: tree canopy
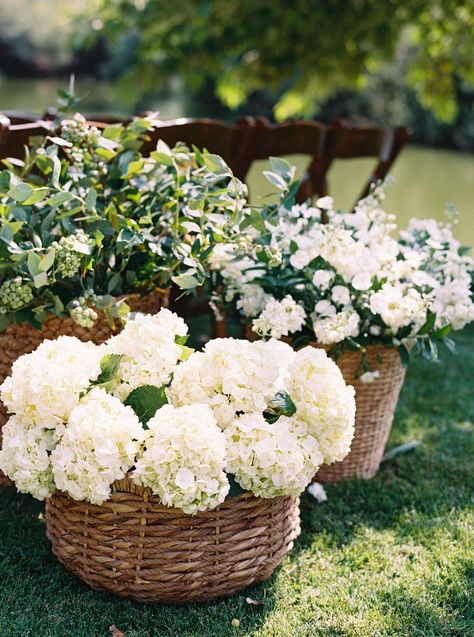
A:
301	52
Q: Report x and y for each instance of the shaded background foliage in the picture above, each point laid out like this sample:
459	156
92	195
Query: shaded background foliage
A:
401	61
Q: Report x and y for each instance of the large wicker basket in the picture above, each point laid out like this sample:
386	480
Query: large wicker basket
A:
375	407
22	338
135	547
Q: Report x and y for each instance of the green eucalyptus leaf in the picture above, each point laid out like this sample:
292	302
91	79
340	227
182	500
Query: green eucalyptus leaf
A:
47	261
33	263
40	280
21	192
186	281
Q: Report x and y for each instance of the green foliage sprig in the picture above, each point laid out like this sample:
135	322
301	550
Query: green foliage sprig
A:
87	218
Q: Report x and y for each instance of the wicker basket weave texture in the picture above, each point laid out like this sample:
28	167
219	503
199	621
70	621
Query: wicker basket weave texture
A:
135	547
375	407
22	338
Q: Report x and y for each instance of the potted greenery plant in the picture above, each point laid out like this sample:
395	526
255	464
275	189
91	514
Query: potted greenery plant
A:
90	229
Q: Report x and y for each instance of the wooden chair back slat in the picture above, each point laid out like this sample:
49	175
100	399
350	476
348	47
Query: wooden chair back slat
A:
383	144
300	137
231	141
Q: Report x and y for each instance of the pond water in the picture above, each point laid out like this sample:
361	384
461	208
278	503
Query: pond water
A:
426	179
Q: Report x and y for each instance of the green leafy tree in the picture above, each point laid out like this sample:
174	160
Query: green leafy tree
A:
301	51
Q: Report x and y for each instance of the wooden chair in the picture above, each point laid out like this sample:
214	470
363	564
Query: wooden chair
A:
233	142
383	144
18	136
301	137
21	117
4	126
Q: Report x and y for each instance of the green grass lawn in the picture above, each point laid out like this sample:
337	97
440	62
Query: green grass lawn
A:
393	556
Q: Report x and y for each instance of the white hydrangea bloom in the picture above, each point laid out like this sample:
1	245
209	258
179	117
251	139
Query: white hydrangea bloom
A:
280	318
271	459
98	447
45	385
150	352
185	458
232	376
252	299
25	457
336	328
323	401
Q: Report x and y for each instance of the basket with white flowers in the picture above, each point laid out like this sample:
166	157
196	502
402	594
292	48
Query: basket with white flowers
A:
91	227
310	274
169	474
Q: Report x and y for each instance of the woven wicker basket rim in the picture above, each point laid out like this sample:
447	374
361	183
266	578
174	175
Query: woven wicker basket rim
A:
129	487
133	296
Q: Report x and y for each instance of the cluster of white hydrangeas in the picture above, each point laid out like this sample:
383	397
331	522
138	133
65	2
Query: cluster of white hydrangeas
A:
280	318
99	445
185	458
149	349
231	376
272	459
25	457
70	432
323	401
45	386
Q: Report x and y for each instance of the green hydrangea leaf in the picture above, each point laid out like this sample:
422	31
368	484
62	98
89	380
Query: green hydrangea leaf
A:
145	401
280	405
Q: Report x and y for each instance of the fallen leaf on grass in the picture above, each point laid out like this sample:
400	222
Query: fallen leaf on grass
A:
396	451
116	632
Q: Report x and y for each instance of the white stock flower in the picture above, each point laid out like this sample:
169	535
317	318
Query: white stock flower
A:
25	457
45	385
323	401
340	295
361	281
99	446
322	279
325	308
335	329
185	458
280	318
398	306
452	304
150	352
369	377
231	376
252	299
271	459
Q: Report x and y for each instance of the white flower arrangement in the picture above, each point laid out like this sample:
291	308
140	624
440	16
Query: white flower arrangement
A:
344	281
238	415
